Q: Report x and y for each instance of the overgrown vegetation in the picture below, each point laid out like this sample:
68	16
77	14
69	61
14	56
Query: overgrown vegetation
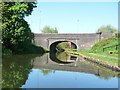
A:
16	34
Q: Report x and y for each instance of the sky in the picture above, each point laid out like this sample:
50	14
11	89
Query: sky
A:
73	17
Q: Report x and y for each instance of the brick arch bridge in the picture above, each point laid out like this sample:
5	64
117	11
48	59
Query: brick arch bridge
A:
82	41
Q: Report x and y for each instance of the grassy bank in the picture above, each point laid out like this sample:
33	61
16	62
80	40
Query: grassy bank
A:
105	51
106	46
102	57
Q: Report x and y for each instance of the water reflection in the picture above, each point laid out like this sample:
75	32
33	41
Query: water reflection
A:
65	62
65	57
16	69
47	71
65	79
61	57
35	71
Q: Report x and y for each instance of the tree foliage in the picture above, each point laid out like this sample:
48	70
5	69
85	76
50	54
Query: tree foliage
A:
48	29
16	34
107	29
63	45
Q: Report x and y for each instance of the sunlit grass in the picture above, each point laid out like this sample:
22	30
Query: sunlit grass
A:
106	58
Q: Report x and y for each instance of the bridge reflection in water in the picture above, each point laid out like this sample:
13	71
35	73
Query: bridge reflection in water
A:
60	70
63	61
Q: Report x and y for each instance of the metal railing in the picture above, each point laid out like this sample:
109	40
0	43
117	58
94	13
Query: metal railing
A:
116	47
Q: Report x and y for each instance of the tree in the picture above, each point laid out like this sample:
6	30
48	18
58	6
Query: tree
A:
16	34
107	29
48	29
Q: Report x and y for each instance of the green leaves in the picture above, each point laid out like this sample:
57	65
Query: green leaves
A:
15	30
19	10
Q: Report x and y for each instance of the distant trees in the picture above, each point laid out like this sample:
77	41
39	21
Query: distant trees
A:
48	29
107	29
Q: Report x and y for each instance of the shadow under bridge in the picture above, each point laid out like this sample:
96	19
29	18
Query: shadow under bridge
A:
53	46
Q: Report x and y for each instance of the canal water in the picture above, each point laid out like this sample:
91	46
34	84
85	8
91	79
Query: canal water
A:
58	70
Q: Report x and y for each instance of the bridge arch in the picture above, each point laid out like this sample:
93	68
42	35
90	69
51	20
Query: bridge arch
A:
54	45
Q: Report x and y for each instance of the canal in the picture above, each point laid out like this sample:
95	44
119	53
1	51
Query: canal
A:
59	70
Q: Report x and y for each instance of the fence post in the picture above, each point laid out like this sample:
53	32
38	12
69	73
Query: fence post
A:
116	47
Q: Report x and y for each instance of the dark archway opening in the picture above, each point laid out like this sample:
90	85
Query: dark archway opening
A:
56	49
57	46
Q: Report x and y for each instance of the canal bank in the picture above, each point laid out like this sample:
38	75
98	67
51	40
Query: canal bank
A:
96	61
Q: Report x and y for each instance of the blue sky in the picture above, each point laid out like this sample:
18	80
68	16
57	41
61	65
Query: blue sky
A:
73	17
